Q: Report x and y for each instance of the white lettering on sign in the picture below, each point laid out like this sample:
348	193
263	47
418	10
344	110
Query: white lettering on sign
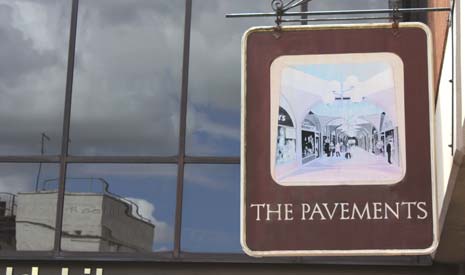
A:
341	211
409	208
270	212
273	212
258	206
288	212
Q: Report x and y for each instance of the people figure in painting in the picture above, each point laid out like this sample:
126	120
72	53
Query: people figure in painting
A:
312	147
379	146
338	149
326	147
348	154
331	149
281	144
290	148
389	150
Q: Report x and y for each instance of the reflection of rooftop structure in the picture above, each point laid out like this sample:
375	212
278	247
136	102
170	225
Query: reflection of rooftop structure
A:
92	221
7	220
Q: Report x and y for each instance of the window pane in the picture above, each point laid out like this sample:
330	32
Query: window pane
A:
119	208
210	219
127	77
28	201
215	74
33	52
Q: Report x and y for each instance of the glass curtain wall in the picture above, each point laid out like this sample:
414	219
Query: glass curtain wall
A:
120	127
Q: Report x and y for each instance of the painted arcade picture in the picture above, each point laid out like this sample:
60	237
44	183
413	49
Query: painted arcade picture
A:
338	119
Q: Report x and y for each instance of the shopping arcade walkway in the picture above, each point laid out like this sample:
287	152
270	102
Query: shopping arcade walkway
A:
363	168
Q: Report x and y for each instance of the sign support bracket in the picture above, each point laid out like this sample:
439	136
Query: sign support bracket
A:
281	10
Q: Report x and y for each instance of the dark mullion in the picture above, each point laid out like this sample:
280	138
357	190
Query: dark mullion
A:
212	160
182	129
66	124
408	260
92	258
122	159
30	159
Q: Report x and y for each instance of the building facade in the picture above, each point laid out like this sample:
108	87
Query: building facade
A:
119	149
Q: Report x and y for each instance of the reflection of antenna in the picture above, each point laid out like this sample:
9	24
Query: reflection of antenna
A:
42	151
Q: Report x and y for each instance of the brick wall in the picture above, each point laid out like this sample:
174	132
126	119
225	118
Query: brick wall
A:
438	22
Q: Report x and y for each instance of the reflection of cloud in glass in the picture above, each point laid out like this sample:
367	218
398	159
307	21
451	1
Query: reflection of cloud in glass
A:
32	73
163	231
125	90
126	93
214	90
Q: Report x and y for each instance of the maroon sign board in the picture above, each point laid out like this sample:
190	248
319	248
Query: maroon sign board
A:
337	153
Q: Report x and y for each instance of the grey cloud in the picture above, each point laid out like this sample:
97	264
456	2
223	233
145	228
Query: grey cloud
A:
122	11
127	84
127	78
154	171
127	74
164	232
17	53
216	51
32	80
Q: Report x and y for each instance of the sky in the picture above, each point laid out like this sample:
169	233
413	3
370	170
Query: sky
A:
345	73
342	71
126	92
343	108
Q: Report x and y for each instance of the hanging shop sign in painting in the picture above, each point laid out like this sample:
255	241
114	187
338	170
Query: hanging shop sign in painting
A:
337	148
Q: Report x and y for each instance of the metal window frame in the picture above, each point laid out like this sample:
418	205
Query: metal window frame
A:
181	159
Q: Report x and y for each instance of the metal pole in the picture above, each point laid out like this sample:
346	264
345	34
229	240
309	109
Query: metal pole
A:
452	29
305	21
42	151
338	12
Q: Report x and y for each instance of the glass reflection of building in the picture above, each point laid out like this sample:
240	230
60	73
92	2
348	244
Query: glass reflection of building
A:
7	221
97	221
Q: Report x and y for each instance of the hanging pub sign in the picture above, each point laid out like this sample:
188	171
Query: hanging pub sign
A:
337	154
